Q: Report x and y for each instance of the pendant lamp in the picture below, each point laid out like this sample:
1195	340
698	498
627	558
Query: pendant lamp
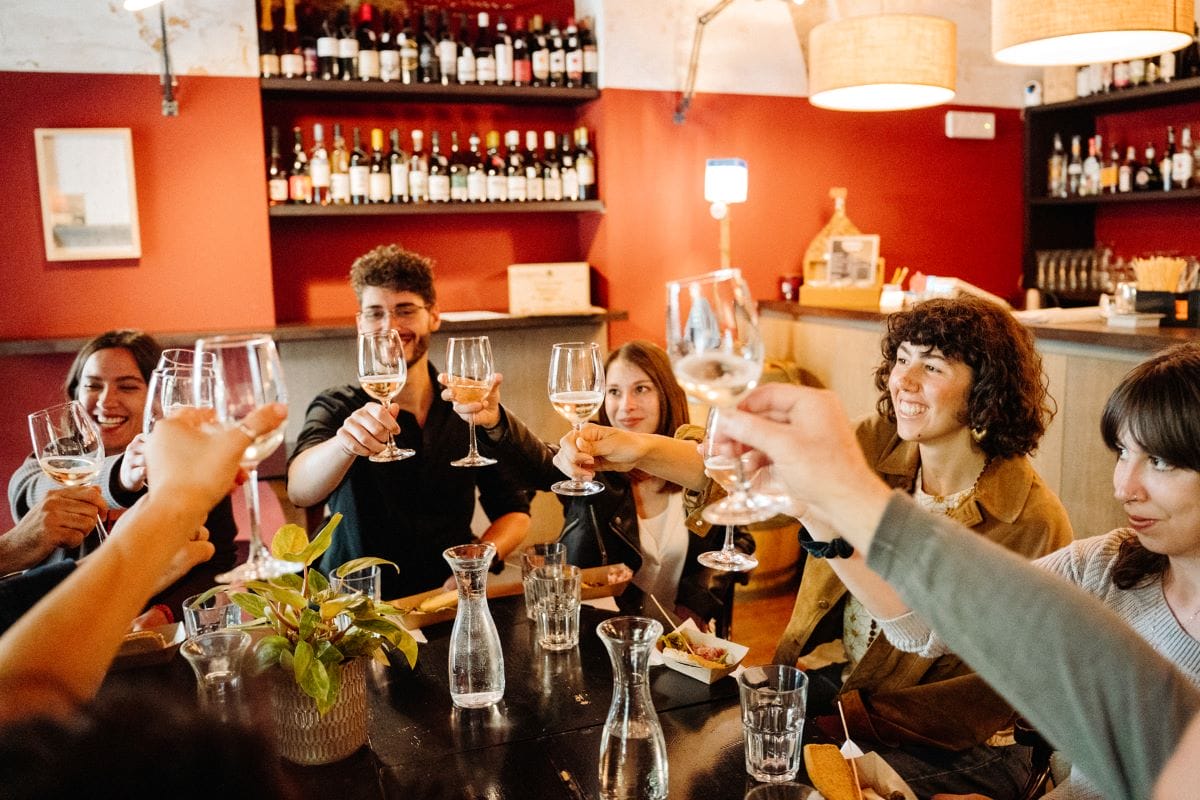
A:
1061	32
884	62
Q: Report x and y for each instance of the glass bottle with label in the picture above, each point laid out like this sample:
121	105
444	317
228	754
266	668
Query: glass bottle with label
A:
535	189
291	58
418	170
566	160
447	52
466	53
428	64
389	56
558	56
398	169
339	169
1183	162
1127	172
476	172
1147	177
591	54
406	44
268	48
496	182
503	53
522	63
1056	170
1089	185
1074	169
318	166
552	185
539	52
277	174
328	68
585	165
573	47
514	167
347	45
360	172
485	56
368	52
299	181
459	169
1109	171
379	180
439	172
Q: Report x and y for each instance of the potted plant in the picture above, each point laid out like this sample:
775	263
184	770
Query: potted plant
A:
317	645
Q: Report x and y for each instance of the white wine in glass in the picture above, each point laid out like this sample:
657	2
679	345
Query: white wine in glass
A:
576	387
68	447
382	373
725	464
470	371
247	375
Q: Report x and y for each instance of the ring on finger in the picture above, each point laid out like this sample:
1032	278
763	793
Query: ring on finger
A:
245	429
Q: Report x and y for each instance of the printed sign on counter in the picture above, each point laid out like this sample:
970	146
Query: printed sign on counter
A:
558	288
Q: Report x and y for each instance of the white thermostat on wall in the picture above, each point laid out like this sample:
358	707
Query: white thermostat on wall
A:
970	125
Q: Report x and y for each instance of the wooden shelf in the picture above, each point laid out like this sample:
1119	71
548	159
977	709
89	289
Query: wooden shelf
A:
1158	94
428	92
1127	197
421	209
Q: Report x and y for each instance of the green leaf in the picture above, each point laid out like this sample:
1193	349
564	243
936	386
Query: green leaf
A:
317	582
252	604
289	540
308	622
408	646
316	684
354	565
290	580
269	650
381	626
333	687
287	661
303	661
319	545
328	654
339	604
287	597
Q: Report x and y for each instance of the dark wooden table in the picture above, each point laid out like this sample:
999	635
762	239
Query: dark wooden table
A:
541	741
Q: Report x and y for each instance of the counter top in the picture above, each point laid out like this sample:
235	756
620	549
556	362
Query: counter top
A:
452	322
1087	333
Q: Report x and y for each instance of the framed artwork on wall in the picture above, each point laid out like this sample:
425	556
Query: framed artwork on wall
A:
854	260
88	193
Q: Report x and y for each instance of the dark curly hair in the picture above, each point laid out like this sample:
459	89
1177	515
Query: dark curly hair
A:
1155	406
392	267
1008	400
142	346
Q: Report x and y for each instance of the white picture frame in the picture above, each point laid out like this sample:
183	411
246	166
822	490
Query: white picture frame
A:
854	260
88	193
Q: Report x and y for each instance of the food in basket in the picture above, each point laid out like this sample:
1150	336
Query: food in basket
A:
617	573
437	602
678	645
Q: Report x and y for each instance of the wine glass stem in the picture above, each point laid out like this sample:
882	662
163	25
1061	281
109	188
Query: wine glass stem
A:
728	546
250	490
740	490
473	451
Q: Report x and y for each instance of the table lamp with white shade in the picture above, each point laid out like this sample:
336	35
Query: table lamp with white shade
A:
725	181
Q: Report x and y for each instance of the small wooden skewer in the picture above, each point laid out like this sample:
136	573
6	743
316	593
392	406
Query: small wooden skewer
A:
667	617
846	730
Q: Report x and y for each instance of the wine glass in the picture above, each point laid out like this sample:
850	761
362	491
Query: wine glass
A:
576	388
246	376
171	388
169	358
717	354
68	447
382	373
470	370
721	462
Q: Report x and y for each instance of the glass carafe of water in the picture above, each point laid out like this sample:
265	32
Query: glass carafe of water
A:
476	660
633	752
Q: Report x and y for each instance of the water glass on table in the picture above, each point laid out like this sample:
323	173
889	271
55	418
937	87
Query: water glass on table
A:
207	614
216	658
773	704
556	592
365	581
534	556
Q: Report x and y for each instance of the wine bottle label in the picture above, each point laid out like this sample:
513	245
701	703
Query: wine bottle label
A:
348	48
268	64
466	68
591	60
504	64
497	188
516	187
326	47
523	71
1181	167
535	189
300	189
277	190
485	69
476	186
389	65
339	187
553	186
319	170
587	171
575	65
558	62
292	65
459	191
439	188
379	187
418	185
448	58
540	63
400	182
368	64
359	181
570	184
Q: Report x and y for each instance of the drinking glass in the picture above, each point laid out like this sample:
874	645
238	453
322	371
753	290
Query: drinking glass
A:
184	357
247	375
576	387
726	464
534	556
470	370
366	581
773	700
556	590
717	355
68	447
214	613
382	372
173	387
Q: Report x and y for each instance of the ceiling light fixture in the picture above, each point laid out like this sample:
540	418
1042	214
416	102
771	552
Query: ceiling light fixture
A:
170	106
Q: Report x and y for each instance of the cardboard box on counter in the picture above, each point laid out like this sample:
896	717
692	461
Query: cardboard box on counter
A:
552	288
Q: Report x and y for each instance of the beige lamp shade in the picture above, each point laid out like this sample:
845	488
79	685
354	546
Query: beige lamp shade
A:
1060	32
886	62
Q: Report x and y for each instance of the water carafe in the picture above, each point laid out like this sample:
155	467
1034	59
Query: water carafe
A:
633	752
476	660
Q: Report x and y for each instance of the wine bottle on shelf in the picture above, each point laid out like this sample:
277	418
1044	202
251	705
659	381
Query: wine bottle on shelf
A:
476	172
1121	75
585	165
535	188
485	55
418	170
368	38
439	172
1167	64
570	175
459	169
1089	184
268	48
522	65
447	52
496	182
339	169
558	56
1127	172
1183	166
1147	177
379	179
1166	164
428	66
328	66
309	22
514	167
389	55
502	49
398	169
539	52
1188	61
347	45
552	184
277	174
1109	170
300	188
574	55
466	53
591	54
318	166
291	58
1056	170
406	46
1074	169
360	172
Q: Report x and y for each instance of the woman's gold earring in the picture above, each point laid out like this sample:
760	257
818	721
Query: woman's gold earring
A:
978	434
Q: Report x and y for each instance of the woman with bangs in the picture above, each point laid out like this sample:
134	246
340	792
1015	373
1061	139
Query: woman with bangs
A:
963	403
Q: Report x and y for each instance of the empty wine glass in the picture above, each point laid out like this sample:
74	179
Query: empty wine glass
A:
721	462
167	359
247	375
470	370
171	388
717	354
576	387
382	373
68	447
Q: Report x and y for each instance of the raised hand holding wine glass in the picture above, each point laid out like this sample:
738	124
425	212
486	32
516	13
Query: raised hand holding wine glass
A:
721	463
382	373
68	447
576	387
247	375
470	370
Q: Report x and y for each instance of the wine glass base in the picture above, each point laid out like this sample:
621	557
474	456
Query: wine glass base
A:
744	510
577	488
391	453
473	461
259	569
728	560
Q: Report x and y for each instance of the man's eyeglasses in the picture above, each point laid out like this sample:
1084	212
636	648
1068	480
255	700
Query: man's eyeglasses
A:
401	313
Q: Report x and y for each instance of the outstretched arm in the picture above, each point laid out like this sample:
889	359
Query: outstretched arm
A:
600	448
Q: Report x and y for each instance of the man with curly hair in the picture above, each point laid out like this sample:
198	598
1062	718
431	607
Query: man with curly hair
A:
407	511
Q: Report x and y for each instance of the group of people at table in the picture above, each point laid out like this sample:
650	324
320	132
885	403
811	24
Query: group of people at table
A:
918	610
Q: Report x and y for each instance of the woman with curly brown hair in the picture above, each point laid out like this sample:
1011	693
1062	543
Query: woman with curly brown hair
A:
963	403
